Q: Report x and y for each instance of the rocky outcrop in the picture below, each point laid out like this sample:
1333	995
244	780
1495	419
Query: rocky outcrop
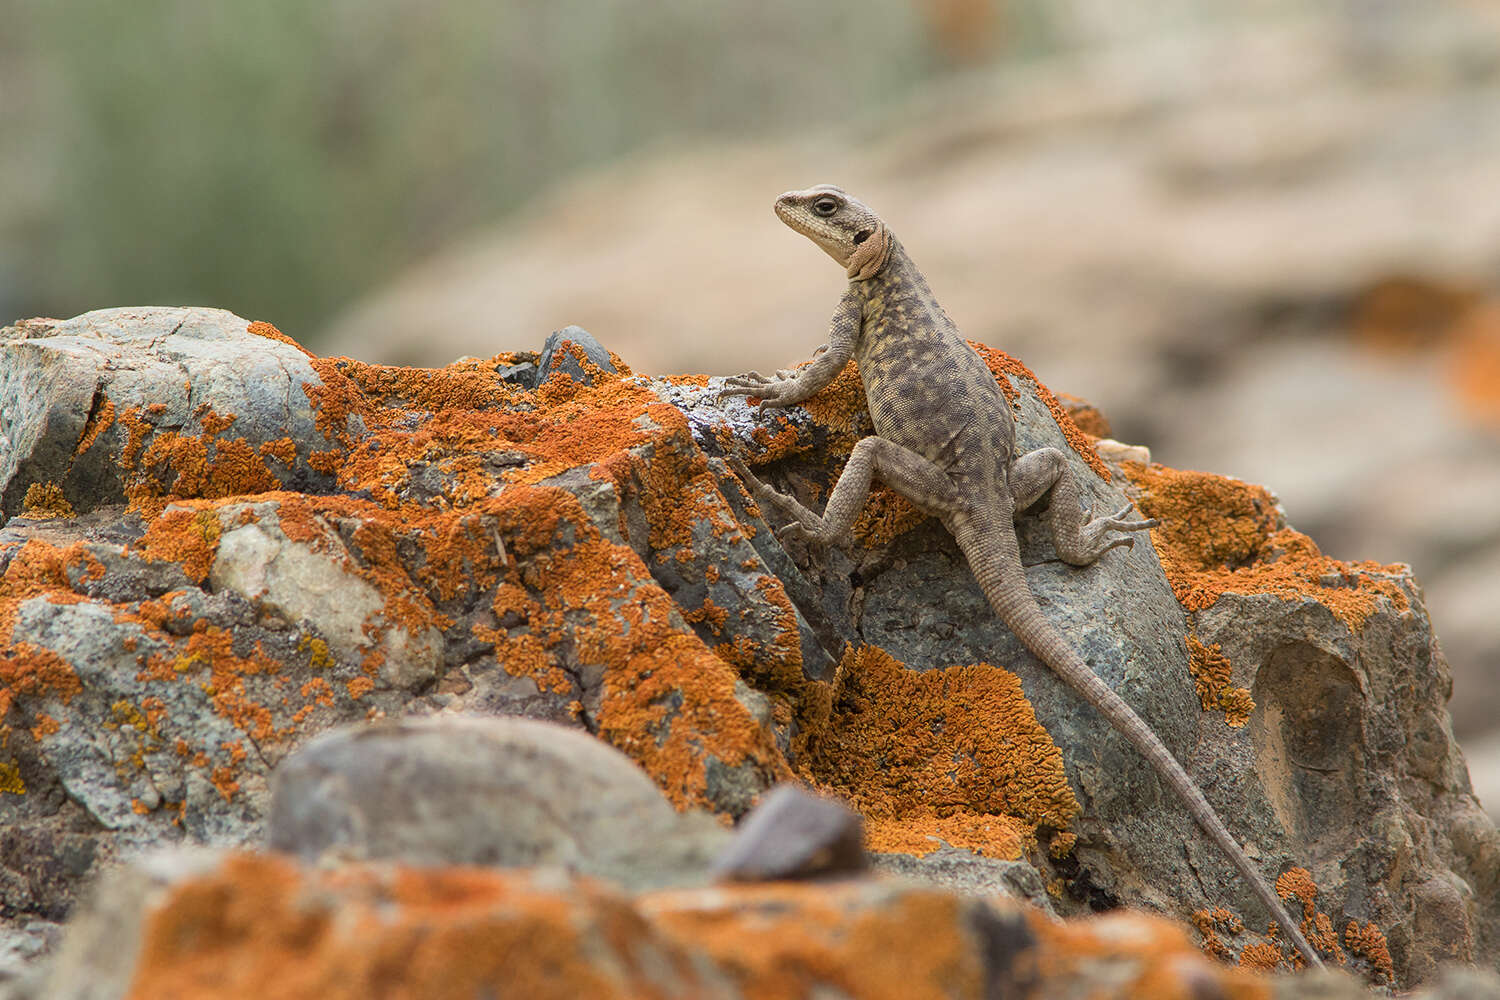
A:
472	540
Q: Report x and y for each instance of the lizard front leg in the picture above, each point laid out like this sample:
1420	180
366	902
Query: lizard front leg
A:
903	470
788	388
1080	539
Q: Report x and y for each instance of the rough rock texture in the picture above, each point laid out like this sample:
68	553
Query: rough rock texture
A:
470	791
577	553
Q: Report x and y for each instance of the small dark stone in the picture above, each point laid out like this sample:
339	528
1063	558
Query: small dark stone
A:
794	834
556	359
523	374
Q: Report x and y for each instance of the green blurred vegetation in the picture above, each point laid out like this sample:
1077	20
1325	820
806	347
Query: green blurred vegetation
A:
280	157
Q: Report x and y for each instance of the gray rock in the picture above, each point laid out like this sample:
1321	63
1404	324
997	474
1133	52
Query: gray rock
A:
507	792
66	387
99	951
556	359
794	834
970	874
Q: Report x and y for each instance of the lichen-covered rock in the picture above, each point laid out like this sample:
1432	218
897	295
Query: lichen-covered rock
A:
578	552
242	925
475	791
148	402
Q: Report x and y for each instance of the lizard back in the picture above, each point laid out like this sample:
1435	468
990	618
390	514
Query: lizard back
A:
927	389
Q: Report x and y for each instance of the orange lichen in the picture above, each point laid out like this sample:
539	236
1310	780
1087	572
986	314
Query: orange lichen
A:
33	672
1369	943
223	780
1085	415
1316	926
212	647
1149	958
1262	956
100	419
45	726
45	500
257	926
928	757
188	535
1210	924
260	328
358	687
787	940
709	614
179	465
1211	673
886	516
1219	535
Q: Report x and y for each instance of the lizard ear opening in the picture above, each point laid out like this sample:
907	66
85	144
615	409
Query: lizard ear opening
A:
871	250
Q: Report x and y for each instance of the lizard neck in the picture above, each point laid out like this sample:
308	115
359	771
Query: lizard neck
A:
895	271
873	256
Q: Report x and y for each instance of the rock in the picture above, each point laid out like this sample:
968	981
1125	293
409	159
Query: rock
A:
471	791
970	874
245	925
121	403
794	834
558	355
579	553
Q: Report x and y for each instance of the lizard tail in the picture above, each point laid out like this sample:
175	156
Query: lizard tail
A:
995	558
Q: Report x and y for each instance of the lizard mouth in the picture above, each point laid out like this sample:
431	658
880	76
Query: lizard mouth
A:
829	239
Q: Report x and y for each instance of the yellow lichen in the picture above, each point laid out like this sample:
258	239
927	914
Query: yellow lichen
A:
11	781
950	756
1211	673
45	500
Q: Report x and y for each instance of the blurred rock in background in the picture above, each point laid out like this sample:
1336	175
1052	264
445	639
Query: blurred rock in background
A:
1266	231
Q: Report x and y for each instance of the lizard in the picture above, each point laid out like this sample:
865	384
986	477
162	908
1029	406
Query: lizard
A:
945	439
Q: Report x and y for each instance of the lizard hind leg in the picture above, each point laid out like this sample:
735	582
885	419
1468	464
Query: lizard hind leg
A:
903	470
1079	537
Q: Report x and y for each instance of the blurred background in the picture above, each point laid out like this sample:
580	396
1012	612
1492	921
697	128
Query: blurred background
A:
1263	237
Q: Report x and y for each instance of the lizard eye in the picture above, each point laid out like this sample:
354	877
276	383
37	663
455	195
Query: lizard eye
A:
825	206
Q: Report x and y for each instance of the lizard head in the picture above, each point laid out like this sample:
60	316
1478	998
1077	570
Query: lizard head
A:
842	226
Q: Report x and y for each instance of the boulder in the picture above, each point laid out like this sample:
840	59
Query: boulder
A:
509	792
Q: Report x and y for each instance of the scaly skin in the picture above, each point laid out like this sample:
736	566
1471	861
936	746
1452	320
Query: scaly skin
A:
944	440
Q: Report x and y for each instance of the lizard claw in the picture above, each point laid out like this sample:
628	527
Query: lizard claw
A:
773	392
793	531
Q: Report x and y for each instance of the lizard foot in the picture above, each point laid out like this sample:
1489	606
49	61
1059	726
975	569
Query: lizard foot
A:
782	390
804	526
1093	537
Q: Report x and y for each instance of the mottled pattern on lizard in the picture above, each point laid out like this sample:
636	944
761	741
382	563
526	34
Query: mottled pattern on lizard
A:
945	441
